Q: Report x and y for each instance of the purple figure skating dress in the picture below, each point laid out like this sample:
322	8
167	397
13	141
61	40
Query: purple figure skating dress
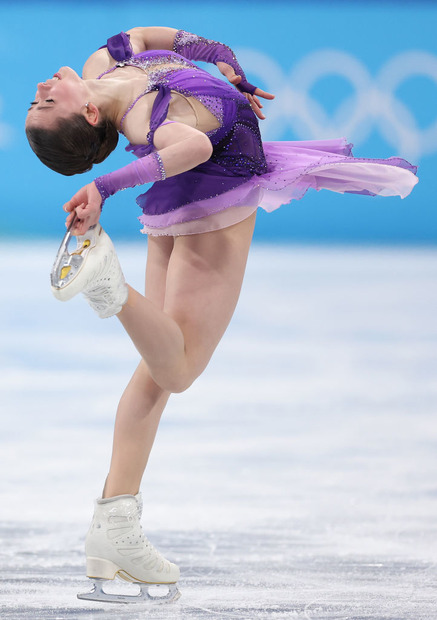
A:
243	173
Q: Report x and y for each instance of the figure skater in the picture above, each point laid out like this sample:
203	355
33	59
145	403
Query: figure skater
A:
196	137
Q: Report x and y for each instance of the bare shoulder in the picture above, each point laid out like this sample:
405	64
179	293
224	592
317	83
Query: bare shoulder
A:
141	39
99	62
151	38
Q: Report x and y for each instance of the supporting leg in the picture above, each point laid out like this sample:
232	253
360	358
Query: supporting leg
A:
143	401
137	420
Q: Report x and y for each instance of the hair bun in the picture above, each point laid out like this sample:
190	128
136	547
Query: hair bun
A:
108	140
75	145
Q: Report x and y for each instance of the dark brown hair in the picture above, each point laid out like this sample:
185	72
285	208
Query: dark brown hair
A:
74	145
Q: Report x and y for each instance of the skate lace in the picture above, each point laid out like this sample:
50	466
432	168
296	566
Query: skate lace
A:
104	289
130	540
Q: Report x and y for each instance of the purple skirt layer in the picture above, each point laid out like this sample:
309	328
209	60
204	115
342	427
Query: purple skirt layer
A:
292	169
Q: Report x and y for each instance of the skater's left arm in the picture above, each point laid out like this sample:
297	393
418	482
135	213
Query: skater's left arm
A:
179	148
194	47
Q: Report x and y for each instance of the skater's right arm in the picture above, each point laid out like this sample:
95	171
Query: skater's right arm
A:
179	148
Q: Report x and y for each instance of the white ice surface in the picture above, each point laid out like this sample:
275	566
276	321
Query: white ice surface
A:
295	479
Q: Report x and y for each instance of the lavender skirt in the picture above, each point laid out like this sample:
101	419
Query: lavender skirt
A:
292	168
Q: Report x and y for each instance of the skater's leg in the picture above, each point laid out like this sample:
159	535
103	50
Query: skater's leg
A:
203	282
138	416
143	401
115	542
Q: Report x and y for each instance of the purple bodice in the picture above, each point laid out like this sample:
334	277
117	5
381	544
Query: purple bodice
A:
237	146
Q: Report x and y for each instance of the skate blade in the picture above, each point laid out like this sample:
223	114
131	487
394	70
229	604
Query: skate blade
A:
68	264
149	593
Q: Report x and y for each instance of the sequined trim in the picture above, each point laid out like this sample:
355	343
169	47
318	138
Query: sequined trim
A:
102	191
193	47
154	61
182	37
130	108
160	165
223	52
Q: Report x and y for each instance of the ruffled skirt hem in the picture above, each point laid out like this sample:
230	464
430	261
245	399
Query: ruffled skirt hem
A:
292	169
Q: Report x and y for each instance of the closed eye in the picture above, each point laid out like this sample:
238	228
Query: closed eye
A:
45	101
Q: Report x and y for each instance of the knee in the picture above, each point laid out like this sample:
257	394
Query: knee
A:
177	383
179	386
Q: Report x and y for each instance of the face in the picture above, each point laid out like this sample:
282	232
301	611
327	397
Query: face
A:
58	97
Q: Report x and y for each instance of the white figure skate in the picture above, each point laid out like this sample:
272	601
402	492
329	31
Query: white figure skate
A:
92	269
116	546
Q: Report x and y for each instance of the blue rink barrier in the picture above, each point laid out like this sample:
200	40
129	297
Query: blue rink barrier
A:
363	70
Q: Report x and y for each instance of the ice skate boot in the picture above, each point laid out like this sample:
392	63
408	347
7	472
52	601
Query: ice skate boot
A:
116	546
92	269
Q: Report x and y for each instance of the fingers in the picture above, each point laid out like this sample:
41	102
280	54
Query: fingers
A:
82	211
80	227
264	94
86	205
78	224
73	204
258	112
85	217
69	220
255	105
68	207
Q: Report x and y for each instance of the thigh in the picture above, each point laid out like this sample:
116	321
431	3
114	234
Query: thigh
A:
159	250
204	278
142	386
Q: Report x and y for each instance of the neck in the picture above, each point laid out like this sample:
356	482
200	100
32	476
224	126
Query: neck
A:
111	96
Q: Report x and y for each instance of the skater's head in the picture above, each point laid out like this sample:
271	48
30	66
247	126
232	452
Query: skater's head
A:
65	130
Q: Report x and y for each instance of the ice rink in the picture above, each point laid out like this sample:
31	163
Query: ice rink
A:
297	477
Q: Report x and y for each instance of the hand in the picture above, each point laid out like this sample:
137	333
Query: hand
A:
255	103
235	79
86	203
